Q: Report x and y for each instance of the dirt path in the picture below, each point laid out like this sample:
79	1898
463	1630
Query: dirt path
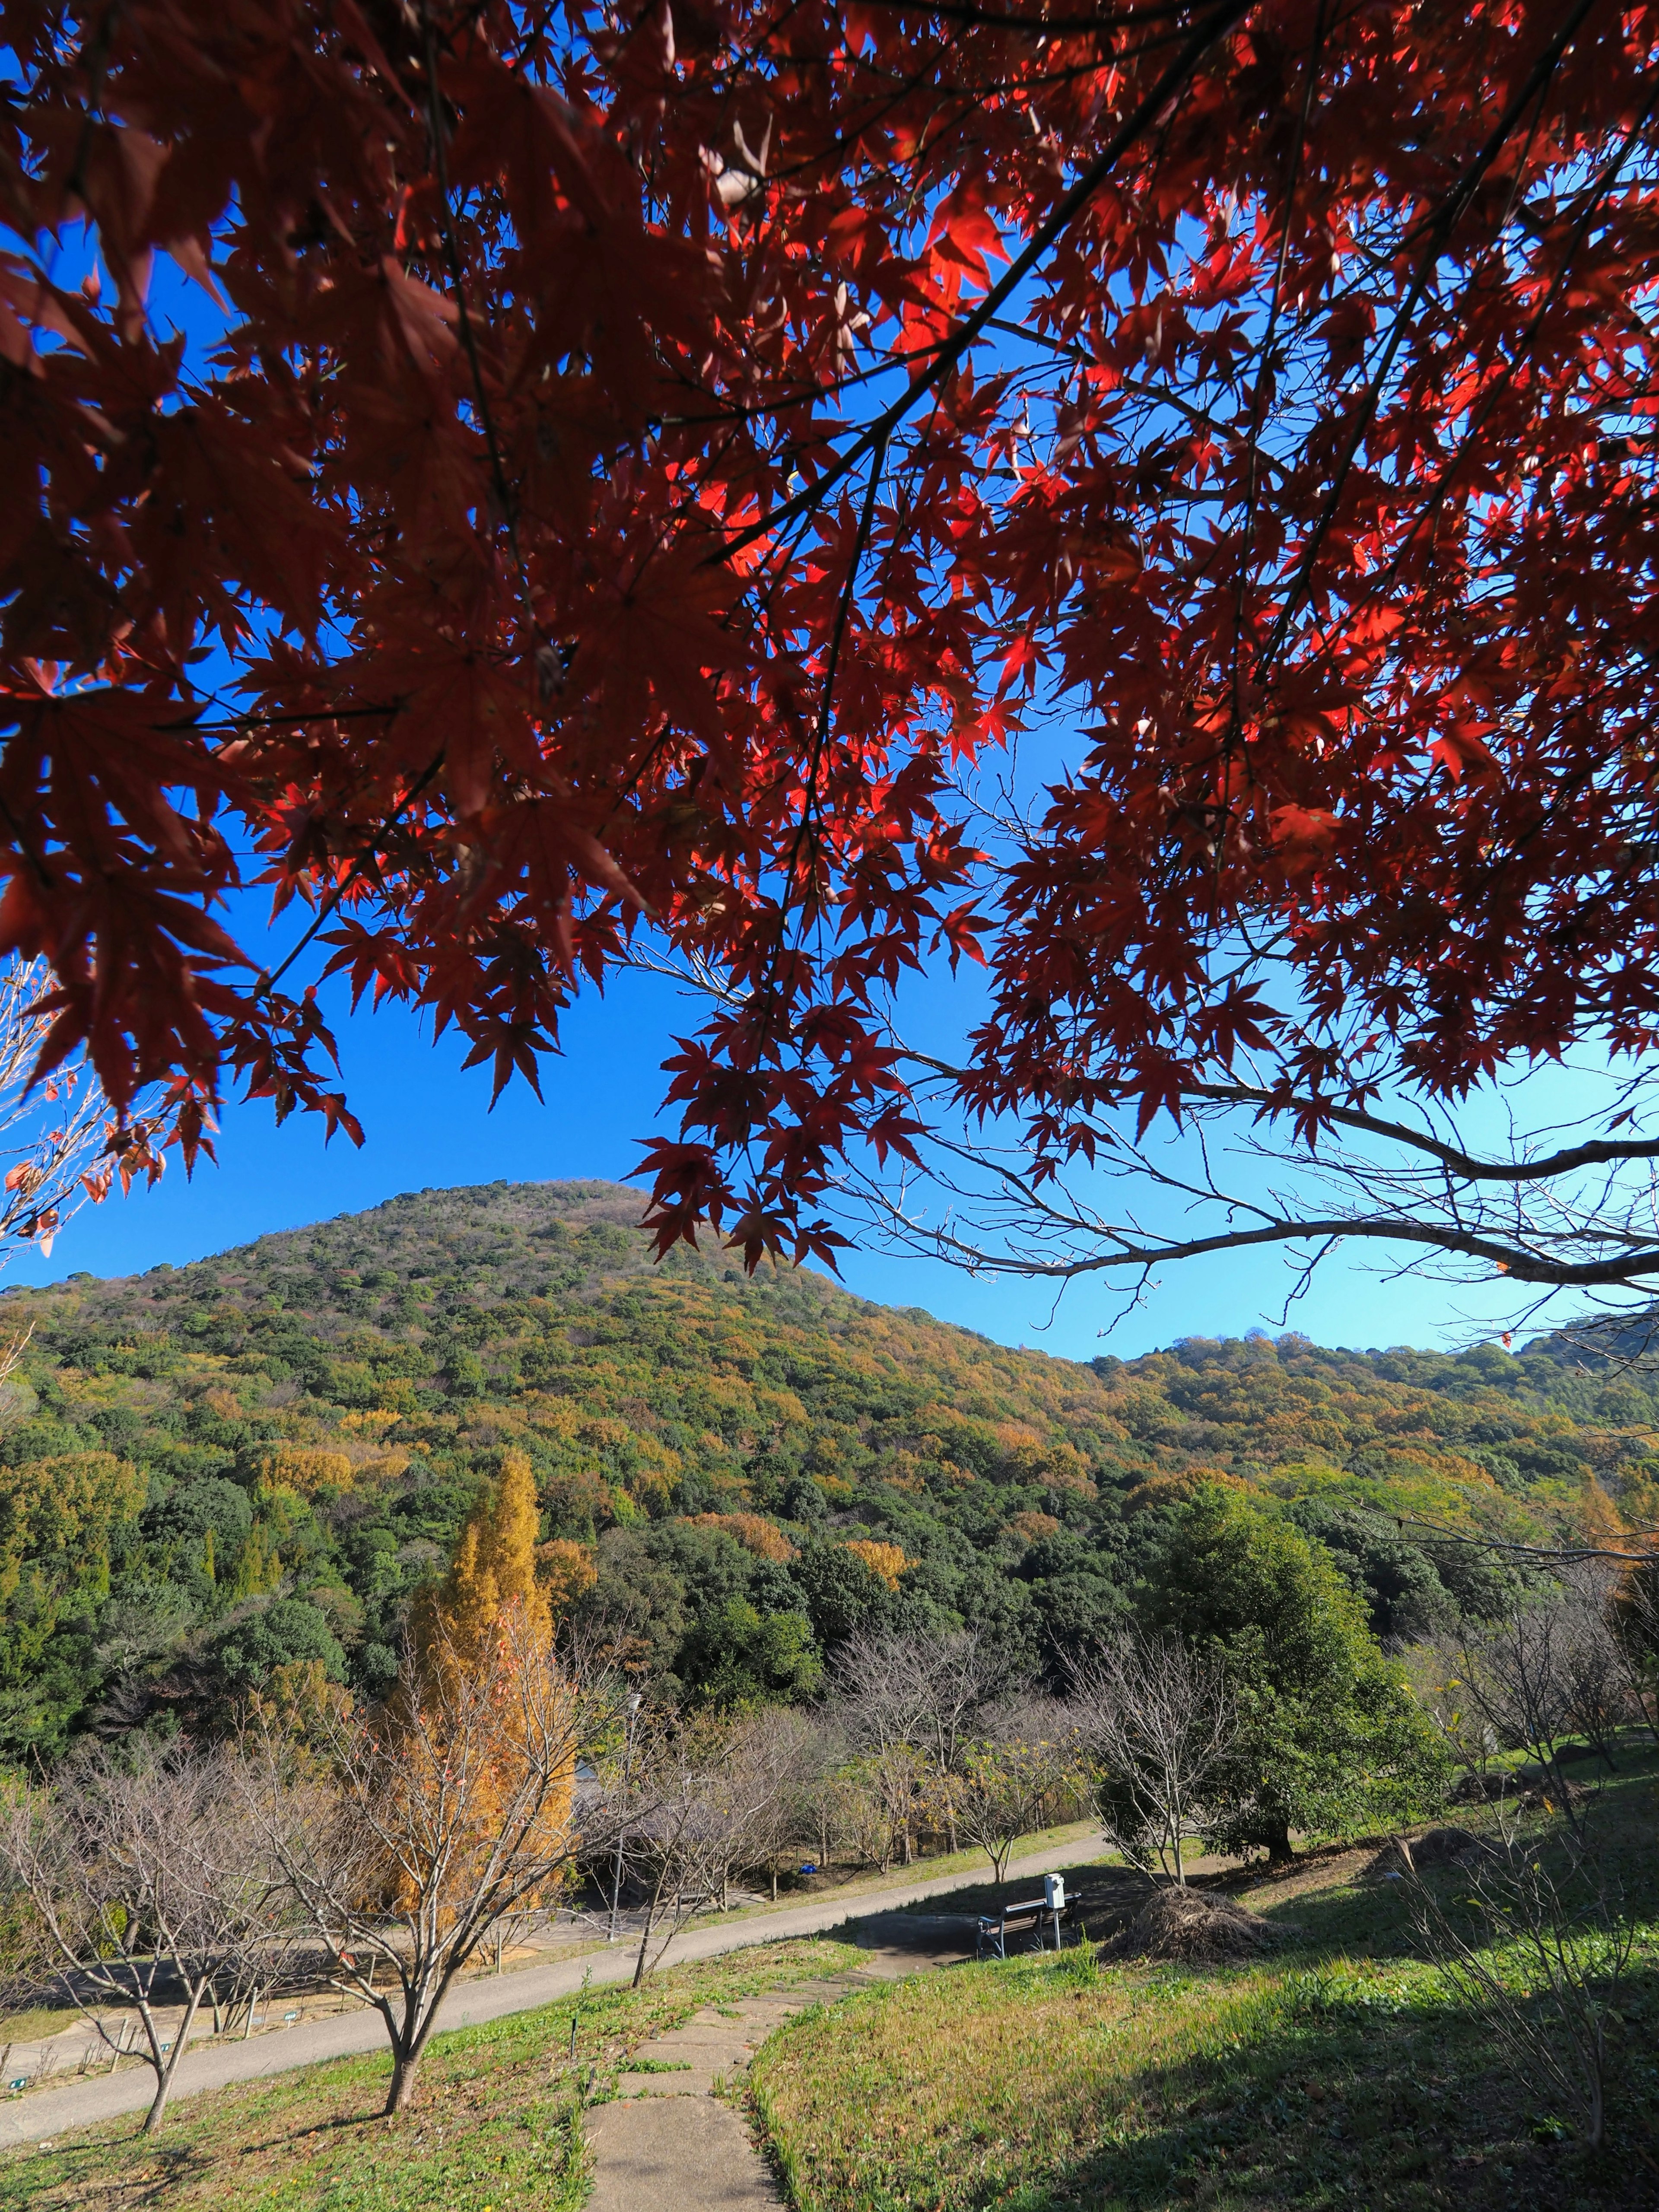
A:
670	2141
37	2116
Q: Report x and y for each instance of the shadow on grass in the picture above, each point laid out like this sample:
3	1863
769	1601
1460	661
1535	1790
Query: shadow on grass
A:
1090	1889
1370	1919
1349	2096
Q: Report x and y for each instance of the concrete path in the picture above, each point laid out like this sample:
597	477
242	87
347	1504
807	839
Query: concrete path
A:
36	2116
668	2142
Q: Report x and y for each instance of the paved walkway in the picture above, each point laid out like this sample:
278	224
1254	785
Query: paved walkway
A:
668	2142
47	2112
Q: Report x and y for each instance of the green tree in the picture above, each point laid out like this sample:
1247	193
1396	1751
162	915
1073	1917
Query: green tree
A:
58	1517
737	1656
843	1593
1332	1740
284	1634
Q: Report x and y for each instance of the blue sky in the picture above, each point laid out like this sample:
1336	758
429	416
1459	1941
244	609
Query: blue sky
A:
429	1124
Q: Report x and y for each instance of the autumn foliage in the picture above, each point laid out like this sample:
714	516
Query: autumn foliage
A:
885	1561
631	473
492	1576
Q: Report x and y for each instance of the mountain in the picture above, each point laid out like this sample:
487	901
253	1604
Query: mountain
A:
208	1472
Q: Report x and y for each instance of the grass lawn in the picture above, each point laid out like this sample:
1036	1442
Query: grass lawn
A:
1339	2073
496	2122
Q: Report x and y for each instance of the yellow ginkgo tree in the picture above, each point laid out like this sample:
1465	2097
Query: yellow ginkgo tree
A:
435	1818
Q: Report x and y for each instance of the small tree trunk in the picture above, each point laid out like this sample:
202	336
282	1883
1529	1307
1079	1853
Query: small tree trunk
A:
645	1938
775	1897
405	2072
158	2104
1279	1844
167	2062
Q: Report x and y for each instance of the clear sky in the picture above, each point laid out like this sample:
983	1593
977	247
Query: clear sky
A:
429	1124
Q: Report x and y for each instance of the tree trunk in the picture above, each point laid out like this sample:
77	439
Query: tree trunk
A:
159	2104
1279	1844
405	2072
645	1938
164	2067
167	2062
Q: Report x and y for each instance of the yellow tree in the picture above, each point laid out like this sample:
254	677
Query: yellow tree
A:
451	1812
492	1574
424	1825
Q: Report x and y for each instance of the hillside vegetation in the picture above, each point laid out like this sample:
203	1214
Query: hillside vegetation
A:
208	1472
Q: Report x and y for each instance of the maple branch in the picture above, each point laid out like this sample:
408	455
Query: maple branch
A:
331	900
1215	27
1126	1245
1019	1218
1598	1153
1452	207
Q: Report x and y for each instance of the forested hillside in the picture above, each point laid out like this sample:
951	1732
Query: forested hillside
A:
214	1470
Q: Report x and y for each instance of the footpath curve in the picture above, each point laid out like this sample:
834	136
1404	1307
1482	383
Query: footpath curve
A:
49	2112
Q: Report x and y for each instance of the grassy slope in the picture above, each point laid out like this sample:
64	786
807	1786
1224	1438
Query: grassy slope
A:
417	1342
497	2121
1339	2074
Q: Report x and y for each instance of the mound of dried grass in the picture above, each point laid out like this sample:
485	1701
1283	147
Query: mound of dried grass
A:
1448	1846
1189	1927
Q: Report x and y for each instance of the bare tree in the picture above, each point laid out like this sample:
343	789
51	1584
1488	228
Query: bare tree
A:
1004	1782
1551	1665
855	1802
707	1795
1533	1938
1437	1670
779	1747
930	1694
1636	1632
60	1142
921	1690
1515	1673
411	1831
821	1790
1157	1721
1599	1691
147	1887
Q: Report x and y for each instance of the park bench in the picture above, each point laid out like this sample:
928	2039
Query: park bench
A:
1035	1916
